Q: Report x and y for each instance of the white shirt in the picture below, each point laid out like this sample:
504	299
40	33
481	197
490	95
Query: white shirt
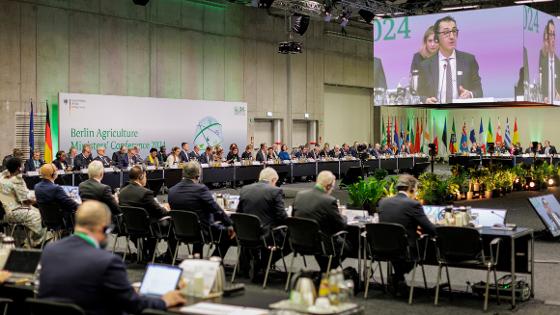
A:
442	70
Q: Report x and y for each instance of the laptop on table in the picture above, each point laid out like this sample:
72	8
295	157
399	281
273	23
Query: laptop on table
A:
22	264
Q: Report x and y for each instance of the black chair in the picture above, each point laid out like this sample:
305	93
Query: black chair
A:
3	224
47	307
305	238
136	223
5	302
251	235
389	242
186	229
120	231
462	247
54	220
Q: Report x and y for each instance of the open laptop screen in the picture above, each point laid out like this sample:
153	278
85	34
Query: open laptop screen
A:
160	279
23	260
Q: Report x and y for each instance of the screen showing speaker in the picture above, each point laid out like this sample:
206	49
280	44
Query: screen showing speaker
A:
548	210
470	57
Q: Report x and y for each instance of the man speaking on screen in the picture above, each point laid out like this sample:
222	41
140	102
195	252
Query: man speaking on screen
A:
450	74
549	65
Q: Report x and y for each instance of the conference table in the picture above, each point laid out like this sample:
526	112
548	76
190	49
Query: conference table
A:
472	160
238	172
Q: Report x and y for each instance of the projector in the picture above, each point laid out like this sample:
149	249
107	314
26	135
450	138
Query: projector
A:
289	48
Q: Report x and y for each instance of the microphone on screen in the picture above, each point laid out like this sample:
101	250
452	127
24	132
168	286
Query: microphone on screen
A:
441	84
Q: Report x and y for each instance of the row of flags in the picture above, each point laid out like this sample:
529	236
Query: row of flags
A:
417	133
48	155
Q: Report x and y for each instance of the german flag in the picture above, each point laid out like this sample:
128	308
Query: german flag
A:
48	139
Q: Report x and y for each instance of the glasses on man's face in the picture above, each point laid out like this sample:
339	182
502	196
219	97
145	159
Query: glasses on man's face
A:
447	33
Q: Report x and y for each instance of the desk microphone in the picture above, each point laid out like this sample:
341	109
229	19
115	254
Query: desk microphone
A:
499	215
441	84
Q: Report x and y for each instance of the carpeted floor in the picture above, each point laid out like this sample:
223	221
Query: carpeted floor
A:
547	268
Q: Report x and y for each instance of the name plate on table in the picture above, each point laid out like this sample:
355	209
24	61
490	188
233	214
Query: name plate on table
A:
32	173
60	172
83	171
224	164
150	167
175	166
311	160
286	161
236	163
108	170
204	165
256	163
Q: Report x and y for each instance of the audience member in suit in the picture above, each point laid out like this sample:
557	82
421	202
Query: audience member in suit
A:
195	153
549	149
185	152
346	150
517	149
429	48
271	155
265	200
284	155
404	209
16	153
476	149
35	162
189	195
207	157
71	159
93	189
315	153
78	269
248	154
318	204
162	155
48	193
550	65
461	67
379	80
325	152
105	160
136	195
174	158
336	153
262	153
233	155
134	156
83	159
152	158
60	161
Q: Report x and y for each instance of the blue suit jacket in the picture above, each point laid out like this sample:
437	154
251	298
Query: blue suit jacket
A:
74	271
190	196
48	192
30	166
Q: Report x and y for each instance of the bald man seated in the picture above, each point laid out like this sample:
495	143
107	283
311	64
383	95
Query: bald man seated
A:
318	204
47	192
78	269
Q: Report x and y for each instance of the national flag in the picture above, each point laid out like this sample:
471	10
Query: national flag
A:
426	134
389	130
472	135
489	134
434	132
499	138
515	133
417	137
407	132
464	144
31	133
383	133
507	135
453	139
396	135
481	141
48	138
444	134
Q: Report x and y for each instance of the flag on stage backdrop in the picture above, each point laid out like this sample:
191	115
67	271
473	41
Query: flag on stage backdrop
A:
417	137
444	134
383	133
411	143
507	136
515	133
389	130
31	133
489	134
426	135
499	138
396	135
407	132
48	139
434	131
481	141
464	145
472	134
453	139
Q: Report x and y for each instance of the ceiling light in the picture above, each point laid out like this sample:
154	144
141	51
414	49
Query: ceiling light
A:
465	7
531	1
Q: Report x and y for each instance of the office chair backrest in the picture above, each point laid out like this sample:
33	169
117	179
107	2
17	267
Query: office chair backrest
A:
387	241
46	307
456	244
248	229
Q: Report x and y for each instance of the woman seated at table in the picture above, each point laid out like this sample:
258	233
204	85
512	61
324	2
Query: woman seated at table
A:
284	155
248	154
325	151
60	161
233	155
218	154
173	158
152	158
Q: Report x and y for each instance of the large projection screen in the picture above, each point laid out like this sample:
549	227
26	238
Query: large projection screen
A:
111	121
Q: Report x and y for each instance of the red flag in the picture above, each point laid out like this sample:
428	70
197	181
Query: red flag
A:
417	137
48	140
389	131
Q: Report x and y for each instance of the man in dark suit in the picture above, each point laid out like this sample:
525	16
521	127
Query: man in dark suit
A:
207	157
185	152
105	160
261	154
60	162
120	158
550	65
549	149
35	162
83	159
449	74
318	204
189	195
78	269
136	195
47	192
405	210
195	153
315	153
72	154
379	80
93	189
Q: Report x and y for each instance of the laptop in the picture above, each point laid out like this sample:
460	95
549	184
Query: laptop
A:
160	279
22	263
434	213
489	217
73	192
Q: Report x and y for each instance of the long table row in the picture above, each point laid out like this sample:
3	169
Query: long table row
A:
234	173
510	161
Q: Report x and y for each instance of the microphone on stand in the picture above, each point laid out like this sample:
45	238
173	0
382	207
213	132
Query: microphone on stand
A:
441	84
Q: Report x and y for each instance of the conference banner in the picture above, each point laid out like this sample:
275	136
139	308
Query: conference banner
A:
112	121
467	57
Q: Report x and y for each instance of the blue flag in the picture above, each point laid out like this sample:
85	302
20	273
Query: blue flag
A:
31	133
472	134
444	134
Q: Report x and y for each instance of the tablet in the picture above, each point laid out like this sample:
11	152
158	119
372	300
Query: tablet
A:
160	279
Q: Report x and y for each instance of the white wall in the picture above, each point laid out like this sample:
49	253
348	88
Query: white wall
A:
263	133
299	133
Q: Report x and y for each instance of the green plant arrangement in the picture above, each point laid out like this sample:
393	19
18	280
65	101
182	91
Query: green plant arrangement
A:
520	173
390	186
380	174
365	194
433	190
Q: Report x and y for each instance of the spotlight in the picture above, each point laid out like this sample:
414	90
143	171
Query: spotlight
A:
531	184
517	180
550	182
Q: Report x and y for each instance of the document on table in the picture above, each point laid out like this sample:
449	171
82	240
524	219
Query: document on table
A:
205	308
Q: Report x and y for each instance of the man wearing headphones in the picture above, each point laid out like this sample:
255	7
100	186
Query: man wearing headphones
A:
550	65
450	74
404	209
47	192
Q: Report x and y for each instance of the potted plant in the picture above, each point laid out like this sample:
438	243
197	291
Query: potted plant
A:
433	189
365	194
489	185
